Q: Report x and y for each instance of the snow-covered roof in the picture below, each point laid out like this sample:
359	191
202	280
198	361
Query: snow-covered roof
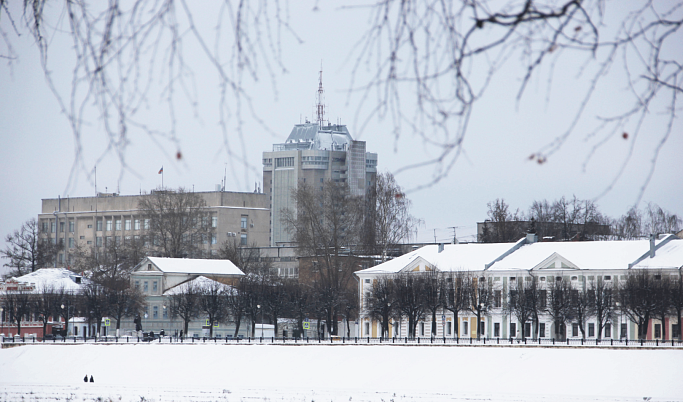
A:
581	255
593	255
192	266
454	257
57	278
200	282
667	256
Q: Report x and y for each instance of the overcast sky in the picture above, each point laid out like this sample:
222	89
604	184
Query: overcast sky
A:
38	148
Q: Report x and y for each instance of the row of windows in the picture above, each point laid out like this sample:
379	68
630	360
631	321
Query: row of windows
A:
117	224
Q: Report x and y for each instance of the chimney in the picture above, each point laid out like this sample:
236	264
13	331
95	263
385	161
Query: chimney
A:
440	247
531	236
652	246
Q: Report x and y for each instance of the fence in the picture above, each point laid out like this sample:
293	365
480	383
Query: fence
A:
423	341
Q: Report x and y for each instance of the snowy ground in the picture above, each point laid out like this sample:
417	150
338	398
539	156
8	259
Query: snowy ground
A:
207	372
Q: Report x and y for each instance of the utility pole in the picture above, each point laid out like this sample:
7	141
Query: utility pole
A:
455	240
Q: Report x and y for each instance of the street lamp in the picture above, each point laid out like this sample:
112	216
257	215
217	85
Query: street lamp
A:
2	322
258	306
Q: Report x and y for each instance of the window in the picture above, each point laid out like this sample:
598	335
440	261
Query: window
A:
541	330
136	224
675	331
154	286
496	329
465	329
243	222
44	226
575	278
608	278
127	224
575	329
482	328
99	225
527	329
137	285
118	224
165	312
71	242
98	241
591	329
213	238
658	330
542	298
52	227
81	237
61	227
422	329
146	226
367	329
513	330
243	240
608	330
155	312
623	331
448	328
145	287
367	281
71	228
214	221
109	227
497	298
61	259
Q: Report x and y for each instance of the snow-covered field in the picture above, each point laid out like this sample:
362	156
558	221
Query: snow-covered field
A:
206	372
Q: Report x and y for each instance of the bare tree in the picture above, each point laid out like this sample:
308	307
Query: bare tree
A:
409	299
45	304
433	293
521	296
326	226
638	299
26	251
559	304
177	221
601	302
431	63
388	216
95	304
381	303
213	302
184	303
457	297
502	225
480	299
18	304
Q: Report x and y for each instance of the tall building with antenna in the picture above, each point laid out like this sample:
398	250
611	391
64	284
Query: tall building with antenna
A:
313	153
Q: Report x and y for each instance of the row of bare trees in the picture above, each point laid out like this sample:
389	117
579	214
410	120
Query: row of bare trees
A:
256	298
640	296
573	219
93	300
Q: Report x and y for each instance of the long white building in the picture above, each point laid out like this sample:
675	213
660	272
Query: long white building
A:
503	265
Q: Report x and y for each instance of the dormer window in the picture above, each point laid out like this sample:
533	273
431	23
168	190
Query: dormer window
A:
149	267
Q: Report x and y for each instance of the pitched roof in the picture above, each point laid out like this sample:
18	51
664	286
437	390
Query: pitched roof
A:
57	278
194	266
454	257
667	256
200	282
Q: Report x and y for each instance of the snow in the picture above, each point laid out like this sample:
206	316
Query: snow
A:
194	266
598	255
454	257
184	372
57	278
199	283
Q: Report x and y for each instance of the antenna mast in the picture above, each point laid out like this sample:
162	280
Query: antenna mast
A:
320	108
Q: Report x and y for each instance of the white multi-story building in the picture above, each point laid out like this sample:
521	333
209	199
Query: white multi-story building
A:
505	266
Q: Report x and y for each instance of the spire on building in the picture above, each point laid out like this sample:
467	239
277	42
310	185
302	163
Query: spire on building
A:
320	107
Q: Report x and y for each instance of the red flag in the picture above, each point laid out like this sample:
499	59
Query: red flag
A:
161	170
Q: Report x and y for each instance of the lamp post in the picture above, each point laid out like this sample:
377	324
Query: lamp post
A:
258	306
2	323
